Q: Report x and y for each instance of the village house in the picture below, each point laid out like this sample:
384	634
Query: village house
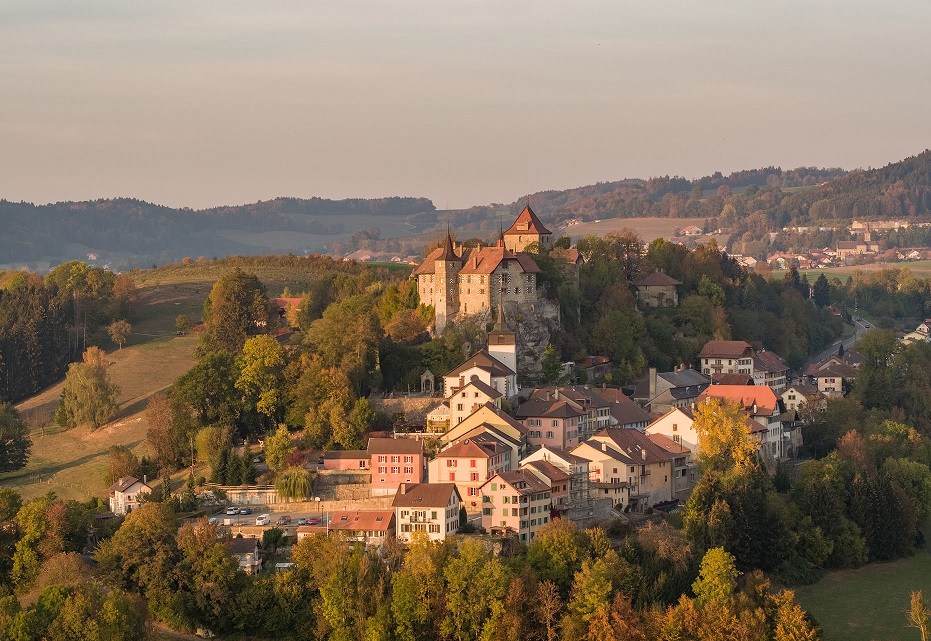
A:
762	405
649	472
527	230
727	357
493	421
515	503
123	496
607	468
483	367
771	370
468	464
594	367
246	551
438	419
684	469
432	508
594	405
578	505
662	391
394	461
369	527
658	290
551	422
465	400
795	395
558	482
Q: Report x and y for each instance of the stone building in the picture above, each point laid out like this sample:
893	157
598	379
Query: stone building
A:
464	281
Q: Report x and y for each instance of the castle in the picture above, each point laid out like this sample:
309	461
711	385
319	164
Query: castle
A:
459	280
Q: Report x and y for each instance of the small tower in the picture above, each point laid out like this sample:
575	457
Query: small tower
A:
446	268
526	230
502	342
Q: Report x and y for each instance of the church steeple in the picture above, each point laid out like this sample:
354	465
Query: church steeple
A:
502	342
448	253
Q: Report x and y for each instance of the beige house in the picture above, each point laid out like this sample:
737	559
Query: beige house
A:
794	396
607	471
726	357
489	419
246	552
485	368
578	501
658	290
649	473
469	398
123	495
432	508
371	527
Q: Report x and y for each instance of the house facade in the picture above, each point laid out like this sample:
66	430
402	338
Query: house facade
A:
432	508
658	290
468	464
726	357
516	503
369	527
123	496
553	423
394	461
649	474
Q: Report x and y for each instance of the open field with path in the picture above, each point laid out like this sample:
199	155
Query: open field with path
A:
868	603
72	463
919	269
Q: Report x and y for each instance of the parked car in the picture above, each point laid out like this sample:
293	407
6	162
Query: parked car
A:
245	510
284	519
319	460
232	510
314	520
302	521
264	519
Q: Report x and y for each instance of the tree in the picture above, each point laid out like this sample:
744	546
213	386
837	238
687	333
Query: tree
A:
717	577
261	375
89	397
15	442
236	309
821	291
919	615
119	331
550	366
348	336
293	483
277	447
121	462
361	418
723	435
165	443
183	324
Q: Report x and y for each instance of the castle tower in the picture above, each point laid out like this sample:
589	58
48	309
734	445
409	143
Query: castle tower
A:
526	230
446	299
502	342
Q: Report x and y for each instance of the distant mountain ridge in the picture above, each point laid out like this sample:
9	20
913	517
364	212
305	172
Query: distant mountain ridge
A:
144	233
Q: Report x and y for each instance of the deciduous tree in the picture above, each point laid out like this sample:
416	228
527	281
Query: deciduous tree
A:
89	397
119	331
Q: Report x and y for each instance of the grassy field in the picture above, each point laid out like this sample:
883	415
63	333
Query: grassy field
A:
72	463
868	603
918	268
647	228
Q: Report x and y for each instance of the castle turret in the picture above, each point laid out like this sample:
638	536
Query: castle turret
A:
446	268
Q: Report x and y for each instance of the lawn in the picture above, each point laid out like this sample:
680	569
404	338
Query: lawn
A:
647	228
868	603
918	268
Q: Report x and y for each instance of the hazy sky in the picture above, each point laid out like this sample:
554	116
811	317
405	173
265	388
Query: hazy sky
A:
200	103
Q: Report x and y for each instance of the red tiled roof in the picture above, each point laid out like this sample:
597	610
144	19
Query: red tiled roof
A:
549	470
380	520
724	349
527	223
745	395
732	378
538	407
668	444
633	443
523	481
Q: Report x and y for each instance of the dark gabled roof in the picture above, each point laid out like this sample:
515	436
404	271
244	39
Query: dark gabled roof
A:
124	484
581	395
732	378
527	223
769	362
724	349
805	389
658	279
565	455
447	253
523	481
548	470
472	448
629	414
243	545
395	446
538	407
485	361
668	444
633	443
424	494
605	447
483	387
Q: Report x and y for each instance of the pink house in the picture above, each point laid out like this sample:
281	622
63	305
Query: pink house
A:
516	503
468	464
553	423
346	460
394	461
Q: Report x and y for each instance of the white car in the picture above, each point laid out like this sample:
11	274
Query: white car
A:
232	511
263	519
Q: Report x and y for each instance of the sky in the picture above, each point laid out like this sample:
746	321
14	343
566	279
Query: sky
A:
201	103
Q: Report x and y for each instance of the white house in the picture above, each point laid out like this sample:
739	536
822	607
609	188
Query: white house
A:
124	494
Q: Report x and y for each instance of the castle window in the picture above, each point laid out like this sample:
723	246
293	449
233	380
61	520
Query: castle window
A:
452	292
529	278
468	279
517	290
481	291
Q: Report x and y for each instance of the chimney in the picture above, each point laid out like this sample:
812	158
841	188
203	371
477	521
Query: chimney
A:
643	454
604	446
652	391
145	479
754	409
402	488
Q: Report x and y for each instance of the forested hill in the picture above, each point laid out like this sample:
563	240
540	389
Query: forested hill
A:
153	233
780	197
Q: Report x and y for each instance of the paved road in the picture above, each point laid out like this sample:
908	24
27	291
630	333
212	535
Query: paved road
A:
860	326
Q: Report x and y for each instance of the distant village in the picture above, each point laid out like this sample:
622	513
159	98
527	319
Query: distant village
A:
475	441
